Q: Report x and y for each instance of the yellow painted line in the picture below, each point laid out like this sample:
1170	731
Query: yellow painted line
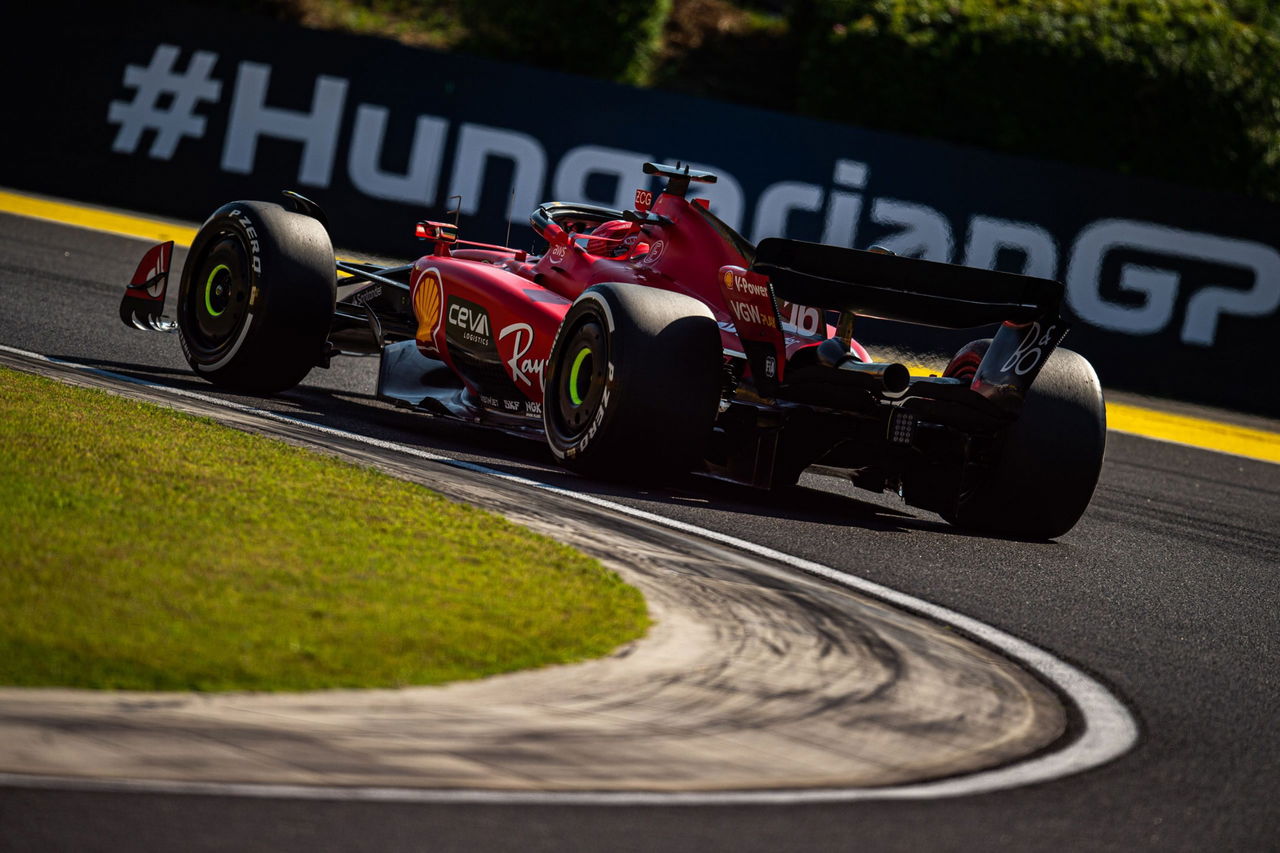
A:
1177	429
1148	423
97	220
1196	432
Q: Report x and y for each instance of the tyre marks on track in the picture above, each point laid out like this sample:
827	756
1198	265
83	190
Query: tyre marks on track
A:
757	685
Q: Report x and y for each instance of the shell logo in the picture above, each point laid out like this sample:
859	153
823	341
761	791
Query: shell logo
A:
428	297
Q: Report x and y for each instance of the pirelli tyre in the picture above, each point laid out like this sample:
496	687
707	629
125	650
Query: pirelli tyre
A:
257	296
1041	473
633	382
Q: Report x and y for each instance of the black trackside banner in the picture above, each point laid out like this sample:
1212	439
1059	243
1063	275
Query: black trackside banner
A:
174	109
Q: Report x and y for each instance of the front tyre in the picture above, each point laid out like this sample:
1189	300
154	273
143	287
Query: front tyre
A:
633	382
1048	461
257	296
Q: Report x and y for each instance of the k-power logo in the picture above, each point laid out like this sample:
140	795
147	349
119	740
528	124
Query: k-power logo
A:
1126	276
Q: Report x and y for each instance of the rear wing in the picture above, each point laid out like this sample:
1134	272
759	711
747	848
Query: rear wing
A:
910	290
906	289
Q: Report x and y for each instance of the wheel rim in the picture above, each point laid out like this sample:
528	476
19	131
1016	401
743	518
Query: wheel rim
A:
580	382
577	374
218	302
217	290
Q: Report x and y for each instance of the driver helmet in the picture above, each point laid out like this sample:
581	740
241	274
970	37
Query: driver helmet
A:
615	240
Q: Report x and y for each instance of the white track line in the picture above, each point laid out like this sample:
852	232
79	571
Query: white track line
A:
1108	729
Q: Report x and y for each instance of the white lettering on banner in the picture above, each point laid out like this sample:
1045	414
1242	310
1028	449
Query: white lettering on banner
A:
845	208
579	164
924	232
476	144
415	186
987	236
179	118
166	101
1159	287
317	130
725	195
777	202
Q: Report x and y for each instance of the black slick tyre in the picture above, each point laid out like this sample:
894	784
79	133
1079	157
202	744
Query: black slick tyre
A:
1047	462
257	296
633	382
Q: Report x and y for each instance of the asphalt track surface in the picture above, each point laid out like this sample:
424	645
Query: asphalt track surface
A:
1164	592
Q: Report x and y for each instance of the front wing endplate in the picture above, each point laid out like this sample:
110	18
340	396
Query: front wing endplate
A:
143	304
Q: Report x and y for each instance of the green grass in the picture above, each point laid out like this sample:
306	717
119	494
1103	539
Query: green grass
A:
144	549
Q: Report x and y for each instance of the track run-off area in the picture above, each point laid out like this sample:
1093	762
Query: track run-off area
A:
1151	624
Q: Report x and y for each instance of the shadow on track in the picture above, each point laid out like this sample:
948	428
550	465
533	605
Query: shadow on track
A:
522	457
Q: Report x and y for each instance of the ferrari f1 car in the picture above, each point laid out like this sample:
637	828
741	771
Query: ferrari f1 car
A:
659	340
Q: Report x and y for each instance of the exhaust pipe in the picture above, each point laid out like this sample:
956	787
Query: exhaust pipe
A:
889	378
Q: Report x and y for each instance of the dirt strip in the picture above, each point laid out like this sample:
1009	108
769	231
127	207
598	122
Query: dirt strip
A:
753	677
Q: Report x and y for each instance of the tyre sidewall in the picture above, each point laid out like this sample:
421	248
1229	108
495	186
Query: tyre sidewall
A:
566	443
290	269
661	382
1050	458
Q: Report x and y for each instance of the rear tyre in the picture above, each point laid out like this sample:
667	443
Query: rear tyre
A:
964	364
257	296
1048	461
633	382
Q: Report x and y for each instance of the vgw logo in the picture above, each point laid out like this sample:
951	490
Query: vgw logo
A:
1144	298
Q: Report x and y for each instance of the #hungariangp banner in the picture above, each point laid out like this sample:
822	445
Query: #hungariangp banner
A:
175	109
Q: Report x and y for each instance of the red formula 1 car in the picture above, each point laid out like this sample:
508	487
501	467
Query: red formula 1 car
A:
659	340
